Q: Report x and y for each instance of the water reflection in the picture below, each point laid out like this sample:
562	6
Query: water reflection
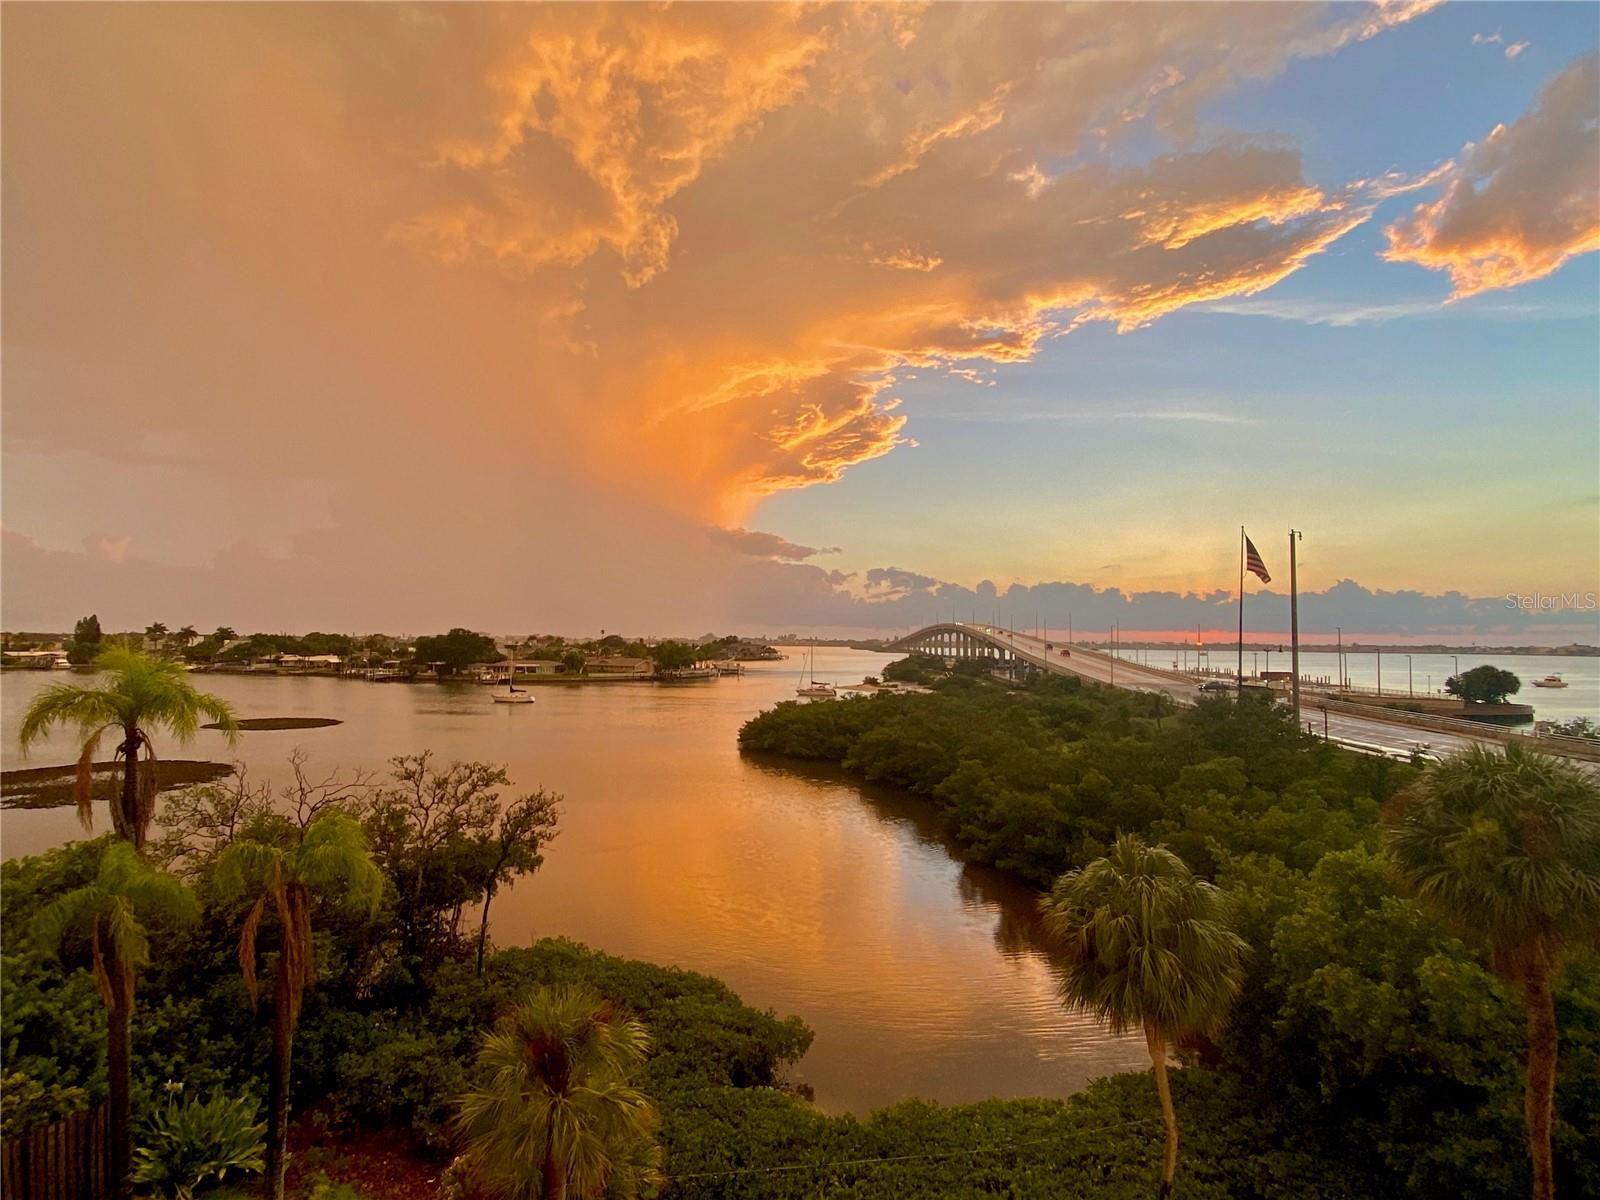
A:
805	891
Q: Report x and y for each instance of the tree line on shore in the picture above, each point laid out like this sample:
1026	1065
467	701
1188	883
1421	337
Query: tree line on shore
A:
1308	932
1395	959
449	653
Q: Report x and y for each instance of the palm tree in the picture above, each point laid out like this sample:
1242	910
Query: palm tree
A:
1147	944
143	693
110	913
330	861
1506	848
555	1113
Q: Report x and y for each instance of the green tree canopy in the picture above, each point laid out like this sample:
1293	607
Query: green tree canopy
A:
330	863
669	656
1483	685
457	650
1506	848
1147	944
110	915
557	1114
85	642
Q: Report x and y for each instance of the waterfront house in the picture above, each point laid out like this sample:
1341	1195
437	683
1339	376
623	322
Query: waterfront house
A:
38	660
620	667
497	672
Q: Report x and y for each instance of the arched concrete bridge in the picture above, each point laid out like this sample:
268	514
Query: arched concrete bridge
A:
959	640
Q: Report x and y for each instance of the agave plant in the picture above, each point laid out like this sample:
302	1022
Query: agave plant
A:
192	1142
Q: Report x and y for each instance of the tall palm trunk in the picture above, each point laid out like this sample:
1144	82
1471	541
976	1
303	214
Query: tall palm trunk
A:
1157	1042
119	1072
126	823
552	1179
283	1014
1539	1099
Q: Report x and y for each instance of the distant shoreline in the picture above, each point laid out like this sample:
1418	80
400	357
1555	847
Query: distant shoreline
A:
1576	650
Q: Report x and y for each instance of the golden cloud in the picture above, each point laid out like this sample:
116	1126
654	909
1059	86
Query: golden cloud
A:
620	258
1520	203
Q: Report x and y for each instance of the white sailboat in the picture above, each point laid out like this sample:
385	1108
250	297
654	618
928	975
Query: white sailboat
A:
513	694
809	687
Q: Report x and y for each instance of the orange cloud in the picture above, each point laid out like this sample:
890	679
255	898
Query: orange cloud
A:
1520	203
575	258
626	106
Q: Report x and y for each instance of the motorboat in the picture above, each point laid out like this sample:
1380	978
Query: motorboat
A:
1550	681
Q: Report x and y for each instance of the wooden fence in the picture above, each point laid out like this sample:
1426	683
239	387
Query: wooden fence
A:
67	1160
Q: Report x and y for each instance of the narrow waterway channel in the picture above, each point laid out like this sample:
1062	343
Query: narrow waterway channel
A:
803	890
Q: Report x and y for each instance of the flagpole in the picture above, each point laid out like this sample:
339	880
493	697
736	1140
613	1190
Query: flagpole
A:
1239	669
1294	629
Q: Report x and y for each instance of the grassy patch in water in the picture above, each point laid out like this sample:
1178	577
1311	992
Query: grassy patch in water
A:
51	787
249	723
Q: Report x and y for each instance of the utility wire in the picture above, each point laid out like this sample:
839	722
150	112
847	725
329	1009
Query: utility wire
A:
861	1162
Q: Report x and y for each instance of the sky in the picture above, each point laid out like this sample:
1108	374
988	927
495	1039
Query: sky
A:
827	318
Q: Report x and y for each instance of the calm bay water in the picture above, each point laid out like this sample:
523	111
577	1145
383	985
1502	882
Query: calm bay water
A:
1423	675
804	891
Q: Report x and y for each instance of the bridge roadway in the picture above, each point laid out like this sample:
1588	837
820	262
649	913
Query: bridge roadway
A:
959	639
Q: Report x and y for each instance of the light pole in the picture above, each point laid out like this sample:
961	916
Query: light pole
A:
1410	691
1380	672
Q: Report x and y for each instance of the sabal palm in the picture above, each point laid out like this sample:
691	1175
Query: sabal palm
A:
1147	944
330	862
110	914
555	1112
142	694
1506	848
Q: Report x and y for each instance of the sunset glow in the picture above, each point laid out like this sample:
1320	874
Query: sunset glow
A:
681	317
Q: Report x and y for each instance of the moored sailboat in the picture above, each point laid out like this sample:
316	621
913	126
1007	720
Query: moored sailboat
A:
513	694
809	687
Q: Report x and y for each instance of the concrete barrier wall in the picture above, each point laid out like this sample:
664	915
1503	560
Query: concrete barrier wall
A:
1568	747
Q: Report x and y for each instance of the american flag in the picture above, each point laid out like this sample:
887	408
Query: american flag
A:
1253	563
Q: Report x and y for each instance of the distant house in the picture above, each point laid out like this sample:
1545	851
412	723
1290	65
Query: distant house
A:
497	672
309	662
619	666
38	660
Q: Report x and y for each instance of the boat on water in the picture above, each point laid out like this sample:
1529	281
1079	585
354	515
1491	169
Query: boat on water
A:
686	674
1550	681
809	687
513	694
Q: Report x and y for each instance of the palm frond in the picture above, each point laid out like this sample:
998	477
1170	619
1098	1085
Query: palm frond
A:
65	704
247	946
1146	943
333	859
245	868
1505	847
83	779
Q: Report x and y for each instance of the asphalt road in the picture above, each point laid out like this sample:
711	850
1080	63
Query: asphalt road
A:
1372	734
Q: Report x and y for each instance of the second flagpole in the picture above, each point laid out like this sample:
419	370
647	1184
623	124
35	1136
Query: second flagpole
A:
1238	675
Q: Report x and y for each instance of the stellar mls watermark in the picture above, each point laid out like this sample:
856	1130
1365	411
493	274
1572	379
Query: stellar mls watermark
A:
1553	601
